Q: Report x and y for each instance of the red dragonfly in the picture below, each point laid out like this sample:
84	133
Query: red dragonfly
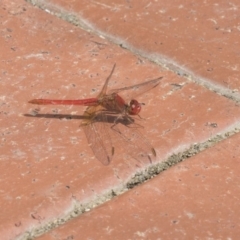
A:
111	113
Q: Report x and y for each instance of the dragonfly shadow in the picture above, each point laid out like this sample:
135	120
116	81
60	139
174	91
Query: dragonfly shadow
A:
119	133
108	117
56	115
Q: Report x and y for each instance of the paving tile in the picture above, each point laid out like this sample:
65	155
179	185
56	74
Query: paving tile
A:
201	37
197	199
48	172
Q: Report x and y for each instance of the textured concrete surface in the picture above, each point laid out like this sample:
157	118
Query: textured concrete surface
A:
52	185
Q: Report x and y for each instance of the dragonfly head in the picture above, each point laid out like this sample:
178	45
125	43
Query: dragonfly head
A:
134	107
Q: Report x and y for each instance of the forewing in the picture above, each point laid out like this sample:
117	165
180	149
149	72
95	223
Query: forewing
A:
104	89
96	130
134	91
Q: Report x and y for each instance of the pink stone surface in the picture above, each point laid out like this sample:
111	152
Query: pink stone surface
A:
48	173
196	38
197	199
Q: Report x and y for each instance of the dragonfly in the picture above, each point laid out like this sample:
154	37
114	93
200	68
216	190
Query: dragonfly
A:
111	115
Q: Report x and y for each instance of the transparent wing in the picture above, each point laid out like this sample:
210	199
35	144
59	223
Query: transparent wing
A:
133	141
96	130
132	92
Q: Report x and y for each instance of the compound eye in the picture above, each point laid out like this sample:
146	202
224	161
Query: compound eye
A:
135	107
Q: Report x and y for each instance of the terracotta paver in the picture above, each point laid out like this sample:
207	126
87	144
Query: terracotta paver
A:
197	199
196	38
48	172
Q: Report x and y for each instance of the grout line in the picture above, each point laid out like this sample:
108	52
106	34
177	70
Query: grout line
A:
183	154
